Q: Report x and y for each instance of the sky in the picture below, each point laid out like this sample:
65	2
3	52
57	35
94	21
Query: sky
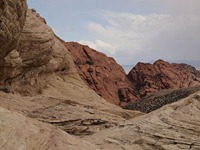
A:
131	31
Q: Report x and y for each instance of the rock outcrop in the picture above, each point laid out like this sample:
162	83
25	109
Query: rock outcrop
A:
39	52
36	42
21	133
13	15
149	78
108	79
102	74
172	127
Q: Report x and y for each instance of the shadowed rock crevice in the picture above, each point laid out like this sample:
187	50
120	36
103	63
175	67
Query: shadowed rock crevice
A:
81	127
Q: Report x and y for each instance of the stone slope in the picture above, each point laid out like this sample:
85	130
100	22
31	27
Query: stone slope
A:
172	127
102	74
149	78
21	133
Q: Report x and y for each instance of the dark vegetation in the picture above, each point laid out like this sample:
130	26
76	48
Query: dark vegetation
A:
161	98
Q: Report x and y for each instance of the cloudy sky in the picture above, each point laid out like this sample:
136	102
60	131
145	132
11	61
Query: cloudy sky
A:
129	30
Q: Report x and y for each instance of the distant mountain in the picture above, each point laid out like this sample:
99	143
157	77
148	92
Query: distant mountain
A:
149	78
194	63
108	79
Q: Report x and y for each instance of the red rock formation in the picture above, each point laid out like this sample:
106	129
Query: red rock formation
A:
149	78
102	74
108	79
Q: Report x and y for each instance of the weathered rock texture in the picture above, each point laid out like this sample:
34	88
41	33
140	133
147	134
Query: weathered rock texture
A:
173	127
108	79
39	52
149	78
37	41
102	74
13	15
21	133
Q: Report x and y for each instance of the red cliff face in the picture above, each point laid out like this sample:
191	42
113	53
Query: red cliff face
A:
149	78
108	79
102	74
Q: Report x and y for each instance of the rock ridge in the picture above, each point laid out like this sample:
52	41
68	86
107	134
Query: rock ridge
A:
108	79
149	78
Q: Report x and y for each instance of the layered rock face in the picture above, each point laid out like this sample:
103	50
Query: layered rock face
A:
36	42
38	52
28	134
102	74
149	78
173	127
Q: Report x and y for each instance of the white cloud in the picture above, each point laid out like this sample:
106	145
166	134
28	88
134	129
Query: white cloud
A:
101	46
180	7
148	37
129	30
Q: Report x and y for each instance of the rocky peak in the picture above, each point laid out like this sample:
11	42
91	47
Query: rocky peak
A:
149	78
108	79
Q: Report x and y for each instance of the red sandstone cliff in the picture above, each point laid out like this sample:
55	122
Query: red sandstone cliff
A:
149	78
108	79
102	74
